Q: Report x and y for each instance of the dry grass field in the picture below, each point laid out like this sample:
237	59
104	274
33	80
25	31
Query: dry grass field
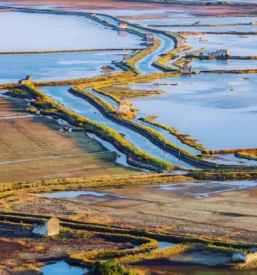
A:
34	148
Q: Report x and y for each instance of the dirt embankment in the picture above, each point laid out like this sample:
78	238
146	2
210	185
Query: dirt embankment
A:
126	5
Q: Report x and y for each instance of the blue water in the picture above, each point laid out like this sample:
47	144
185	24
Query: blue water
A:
230	64
144	65
83	108
205	107
236	44
165	133
62	268
55	32
191	20
56	66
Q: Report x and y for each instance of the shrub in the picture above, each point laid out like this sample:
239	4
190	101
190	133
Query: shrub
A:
110	268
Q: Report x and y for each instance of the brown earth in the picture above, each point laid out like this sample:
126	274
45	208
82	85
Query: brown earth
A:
34	148
20	247
125	5
227	216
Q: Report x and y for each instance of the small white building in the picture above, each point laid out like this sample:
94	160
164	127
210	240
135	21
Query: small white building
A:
124	108
253	23
149	38
186	69
50	228
123	25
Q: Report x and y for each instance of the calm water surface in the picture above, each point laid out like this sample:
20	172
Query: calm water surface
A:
236	44
56	66
62	268
83	108
205	107
31	32
190	20
230	64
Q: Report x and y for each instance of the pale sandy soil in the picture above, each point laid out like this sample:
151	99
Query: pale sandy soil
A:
112	5
212	217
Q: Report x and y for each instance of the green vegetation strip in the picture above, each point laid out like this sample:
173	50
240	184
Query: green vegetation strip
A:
250	71
72	50
218	33
140	55
101	78
71	184
201	25
183	138
223	175
134	155
211	57
147	240
154	136
168	56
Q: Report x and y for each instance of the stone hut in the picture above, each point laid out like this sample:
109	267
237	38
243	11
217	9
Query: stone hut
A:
26	80
240	257
149	38
50	228
186	69
124	108
126	58
123	25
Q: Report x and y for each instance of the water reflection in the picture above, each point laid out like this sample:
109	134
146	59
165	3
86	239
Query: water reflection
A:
217	109
62	268
57	66
55	32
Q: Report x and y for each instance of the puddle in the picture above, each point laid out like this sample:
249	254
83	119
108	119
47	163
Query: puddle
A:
62	268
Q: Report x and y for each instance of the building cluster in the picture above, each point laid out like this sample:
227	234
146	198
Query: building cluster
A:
219	52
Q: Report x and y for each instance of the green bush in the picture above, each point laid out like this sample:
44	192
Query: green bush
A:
110	268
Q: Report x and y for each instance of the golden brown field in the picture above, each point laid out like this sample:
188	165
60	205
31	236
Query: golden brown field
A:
33	148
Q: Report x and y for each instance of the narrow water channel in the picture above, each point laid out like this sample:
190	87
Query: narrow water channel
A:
85	109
